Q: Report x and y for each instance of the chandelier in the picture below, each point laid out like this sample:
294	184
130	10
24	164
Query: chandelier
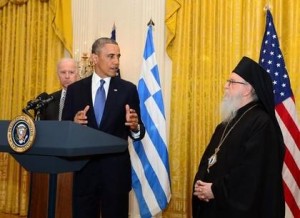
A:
85	65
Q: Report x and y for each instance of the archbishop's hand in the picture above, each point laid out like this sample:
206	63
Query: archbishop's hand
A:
203	191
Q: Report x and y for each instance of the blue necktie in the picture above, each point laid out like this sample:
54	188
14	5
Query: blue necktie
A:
99	102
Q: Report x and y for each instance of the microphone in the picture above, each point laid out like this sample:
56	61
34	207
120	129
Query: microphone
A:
44	102
32	104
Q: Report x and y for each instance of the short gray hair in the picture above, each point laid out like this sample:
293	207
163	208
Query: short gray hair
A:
66	59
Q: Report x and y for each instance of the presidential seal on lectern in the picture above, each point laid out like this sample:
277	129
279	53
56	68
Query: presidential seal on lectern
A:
21	133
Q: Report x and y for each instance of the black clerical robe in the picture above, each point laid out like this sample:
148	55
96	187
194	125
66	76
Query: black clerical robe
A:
247	181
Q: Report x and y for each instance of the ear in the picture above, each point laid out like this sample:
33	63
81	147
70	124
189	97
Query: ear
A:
94	58
248	90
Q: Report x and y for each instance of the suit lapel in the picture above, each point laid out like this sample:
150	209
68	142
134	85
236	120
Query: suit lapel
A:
57	101
52	109
87	83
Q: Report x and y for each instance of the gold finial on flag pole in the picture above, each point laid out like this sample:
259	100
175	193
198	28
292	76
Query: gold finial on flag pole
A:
267	7
150	23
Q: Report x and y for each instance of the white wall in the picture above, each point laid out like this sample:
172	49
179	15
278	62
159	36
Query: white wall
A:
95	18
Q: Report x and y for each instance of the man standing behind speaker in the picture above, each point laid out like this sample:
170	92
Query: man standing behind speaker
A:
67	72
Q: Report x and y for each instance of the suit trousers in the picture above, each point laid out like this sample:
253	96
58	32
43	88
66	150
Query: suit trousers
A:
93	195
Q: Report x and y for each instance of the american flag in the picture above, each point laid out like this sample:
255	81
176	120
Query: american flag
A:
149	157
271	59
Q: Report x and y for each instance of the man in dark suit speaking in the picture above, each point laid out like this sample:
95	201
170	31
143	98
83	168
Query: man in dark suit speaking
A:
109	104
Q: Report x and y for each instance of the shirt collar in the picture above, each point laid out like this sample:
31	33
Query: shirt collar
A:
96	80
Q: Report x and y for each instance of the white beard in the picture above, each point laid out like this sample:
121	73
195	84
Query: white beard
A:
229	107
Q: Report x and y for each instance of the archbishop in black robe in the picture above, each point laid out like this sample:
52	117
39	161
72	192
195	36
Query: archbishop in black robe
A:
246	177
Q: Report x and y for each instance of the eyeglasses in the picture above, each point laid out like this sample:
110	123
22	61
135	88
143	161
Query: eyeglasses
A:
230	81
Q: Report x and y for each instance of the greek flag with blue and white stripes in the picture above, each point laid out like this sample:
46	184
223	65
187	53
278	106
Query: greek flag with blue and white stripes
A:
149	157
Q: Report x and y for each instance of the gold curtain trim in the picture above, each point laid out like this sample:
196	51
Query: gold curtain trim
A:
171	22
17	2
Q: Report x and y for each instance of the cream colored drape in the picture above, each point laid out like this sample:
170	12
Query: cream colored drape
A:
33	36
205	40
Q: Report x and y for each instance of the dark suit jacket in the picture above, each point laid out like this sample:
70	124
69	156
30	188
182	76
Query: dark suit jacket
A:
50	112
117	167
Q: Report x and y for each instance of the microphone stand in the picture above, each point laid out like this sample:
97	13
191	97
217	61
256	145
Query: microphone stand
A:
37	115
